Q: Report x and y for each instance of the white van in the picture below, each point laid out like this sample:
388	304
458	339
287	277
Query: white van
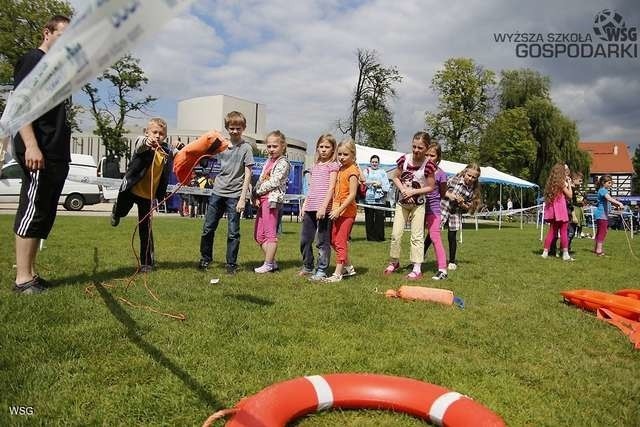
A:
75	195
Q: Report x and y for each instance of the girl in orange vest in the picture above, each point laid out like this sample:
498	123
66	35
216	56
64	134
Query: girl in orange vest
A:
343	210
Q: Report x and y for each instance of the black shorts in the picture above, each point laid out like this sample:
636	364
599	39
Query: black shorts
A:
39	197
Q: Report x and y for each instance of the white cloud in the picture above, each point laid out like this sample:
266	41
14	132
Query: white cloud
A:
299	58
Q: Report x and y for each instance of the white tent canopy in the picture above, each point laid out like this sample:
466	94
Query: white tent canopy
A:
488	174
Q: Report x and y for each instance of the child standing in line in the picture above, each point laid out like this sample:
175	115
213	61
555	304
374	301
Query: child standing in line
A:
577	213
268	196
433	213
577	217
145	180
315	209
601	214
414	179
462	195
556	193
229	194
344	209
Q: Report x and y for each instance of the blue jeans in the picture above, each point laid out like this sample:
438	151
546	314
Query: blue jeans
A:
217	207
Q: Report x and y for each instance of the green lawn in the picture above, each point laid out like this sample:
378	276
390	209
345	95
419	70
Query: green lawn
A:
516	348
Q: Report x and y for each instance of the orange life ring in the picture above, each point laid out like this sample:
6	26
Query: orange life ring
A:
286	401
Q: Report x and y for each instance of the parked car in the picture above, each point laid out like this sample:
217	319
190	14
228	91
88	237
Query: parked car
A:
75	195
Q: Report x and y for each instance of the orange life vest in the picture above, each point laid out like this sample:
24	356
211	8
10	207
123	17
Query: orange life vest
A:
207	145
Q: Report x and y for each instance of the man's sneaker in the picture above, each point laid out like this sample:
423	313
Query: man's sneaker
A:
452	266
348	271
231	268
265	268
29	288
115	220
333	279
440	275
393	266
318	276
203	264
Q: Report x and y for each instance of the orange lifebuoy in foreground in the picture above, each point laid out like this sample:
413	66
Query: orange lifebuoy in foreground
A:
286	401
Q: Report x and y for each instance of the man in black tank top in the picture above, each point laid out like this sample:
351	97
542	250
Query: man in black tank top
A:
42	148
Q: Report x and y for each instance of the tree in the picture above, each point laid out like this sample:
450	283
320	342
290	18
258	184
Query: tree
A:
507	143
371	94
464	105
377	128
126	79
525	93
21	24
635	182
556	137
518	86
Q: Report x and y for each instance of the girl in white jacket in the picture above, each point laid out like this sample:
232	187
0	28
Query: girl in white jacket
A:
268	197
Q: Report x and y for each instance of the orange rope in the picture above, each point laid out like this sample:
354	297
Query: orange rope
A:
130	280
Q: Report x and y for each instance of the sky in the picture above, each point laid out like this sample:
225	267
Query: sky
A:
299	58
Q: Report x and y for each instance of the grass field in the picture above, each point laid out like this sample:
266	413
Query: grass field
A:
78	359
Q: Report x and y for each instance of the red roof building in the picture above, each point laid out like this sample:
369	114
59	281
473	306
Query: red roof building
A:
610	158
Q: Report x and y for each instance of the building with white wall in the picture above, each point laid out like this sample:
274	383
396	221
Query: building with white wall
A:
198	115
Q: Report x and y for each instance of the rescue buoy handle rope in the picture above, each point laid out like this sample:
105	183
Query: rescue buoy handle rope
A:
218	415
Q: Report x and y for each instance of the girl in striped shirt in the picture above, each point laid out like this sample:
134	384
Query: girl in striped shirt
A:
316	207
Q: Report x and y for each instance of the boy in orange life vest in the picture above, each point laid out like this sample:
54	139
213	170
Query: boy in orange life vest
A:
146	179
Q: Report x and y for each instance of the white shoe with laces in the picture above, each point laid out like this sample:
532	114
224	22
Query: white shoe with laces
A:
440	275
265	268
333	278
348	271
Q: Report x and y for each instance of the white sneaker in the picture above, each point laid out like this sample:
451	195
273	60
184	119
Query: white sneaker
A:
348	271
567	257
544	255
452	266
333	278
265	268
440	275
